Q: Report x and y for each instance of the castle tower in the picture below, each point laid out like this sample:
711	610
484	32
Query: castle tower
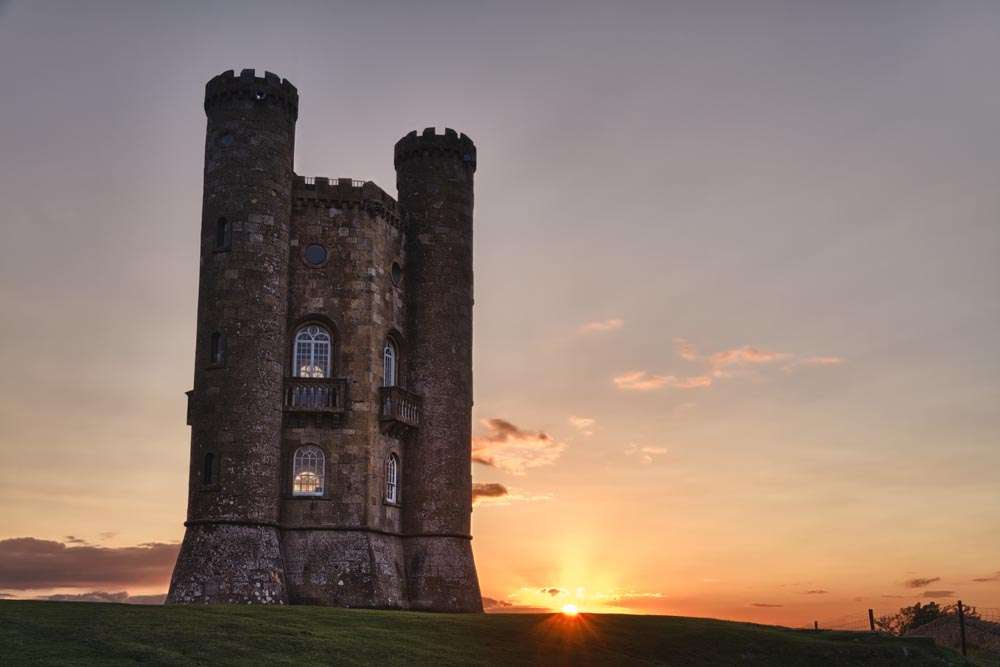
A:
330	415
434	176
231	550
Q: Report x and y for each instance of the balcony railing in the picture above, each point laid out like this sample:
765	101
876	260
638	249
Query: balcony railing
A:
315	394
400	406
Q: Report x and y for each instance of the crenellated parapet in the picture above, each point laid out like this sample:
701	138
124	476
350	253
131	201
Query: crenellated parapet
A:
429	143
345	193
269	89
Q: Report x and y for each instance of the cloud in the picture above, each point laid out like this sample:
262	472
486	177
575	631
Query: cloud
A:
107	535
747	354
494	606
492	490
70	539
818	591
27	563
939	594
765	605
583	424
993	577
920	582
553	592
645	454
104	596
685	350
514	450
612	324
499	495
644	381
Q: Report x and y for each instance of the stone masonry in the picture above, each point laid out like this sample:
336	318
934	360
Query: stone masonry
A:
280	253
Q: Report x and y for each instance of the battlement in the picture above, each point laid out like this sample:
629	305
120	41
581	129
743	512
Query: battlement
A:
345	193
430	143
268	89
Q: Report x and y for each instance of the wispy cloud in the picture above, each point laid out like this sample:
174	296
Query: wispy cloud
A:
765	605
920	582
994	577
28	563
718	366
939	594
645	454
740	356
600	326
813	361
512	449
686	350
584	425
488	490
645	381
121	597
817	591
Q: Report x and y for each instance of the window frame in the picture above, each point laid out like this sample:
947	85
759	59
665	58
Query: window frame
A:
317	468
217	349
223	234
390	351
325	373
392	479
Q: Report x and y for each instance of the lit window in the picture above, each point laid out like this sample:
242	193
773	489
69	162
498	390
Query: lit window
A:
208	470
223	234
307	471
217	353
392	479
389	358
312	352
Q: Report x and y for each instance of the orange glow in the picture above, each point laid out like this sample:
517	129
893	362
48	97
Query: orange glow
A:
569	609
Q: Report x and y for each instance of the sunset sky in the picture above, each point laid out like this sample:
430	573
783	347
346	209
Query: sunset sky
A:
737	285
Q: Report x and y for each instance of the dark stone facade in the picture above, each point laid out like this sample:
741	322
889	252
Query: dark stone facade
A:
393	271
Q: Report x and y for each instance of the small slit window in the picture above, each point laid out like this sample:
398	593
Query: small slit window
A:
308	468
392	479
390	358
208	469
312	352
217	349
223	234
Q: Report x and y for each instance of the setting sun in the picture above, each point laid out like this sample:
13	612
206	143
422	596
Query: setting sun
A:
569	609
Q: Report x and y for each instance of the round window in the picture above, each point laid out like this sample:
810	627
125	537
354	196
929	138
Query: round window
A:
397	273
315	254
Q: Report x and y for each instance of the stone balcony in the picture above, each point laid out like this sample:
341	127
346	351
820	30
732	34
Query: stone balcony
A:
315	395
399	408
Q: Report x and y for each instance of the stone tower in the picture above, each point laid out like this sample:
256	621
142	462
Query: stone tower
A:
330	414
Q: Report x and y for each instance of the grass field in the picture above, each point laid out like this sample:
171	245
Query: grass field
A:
73	633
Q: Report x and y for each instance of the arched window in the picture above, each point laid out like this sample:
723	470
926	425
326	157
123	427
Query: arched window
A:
389	363
223	234
312	352
217	354
308	471
392	479
208	470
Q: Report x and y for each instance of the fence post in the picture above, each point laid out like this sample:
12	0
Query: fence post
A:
961	625
871	619
815	625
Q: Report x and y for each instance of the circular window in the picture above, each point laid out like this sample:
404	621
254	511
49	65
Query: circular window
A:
315	254
397	274
226	140
260	94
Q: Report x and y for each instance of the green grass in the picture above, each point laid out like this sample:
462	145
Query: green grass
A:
74	633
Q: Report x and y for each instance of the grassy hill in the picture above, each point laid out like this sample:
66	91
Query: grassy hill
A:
73	633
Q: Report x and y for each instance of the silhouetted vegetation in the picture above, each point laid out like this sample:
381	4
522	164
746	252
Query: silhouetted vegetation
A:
910	618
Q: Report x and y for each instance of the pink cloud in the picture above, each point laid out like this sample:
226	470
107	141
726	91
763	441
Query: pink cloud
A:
745	355
644	381
602	325
685	350
512	449
584	425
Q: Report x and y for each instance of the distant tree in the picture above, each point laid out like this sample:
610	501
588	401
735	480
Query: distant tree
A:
909	618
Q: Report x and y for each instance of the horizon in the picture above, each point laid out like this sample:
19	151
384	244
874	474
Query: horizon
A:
736	288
